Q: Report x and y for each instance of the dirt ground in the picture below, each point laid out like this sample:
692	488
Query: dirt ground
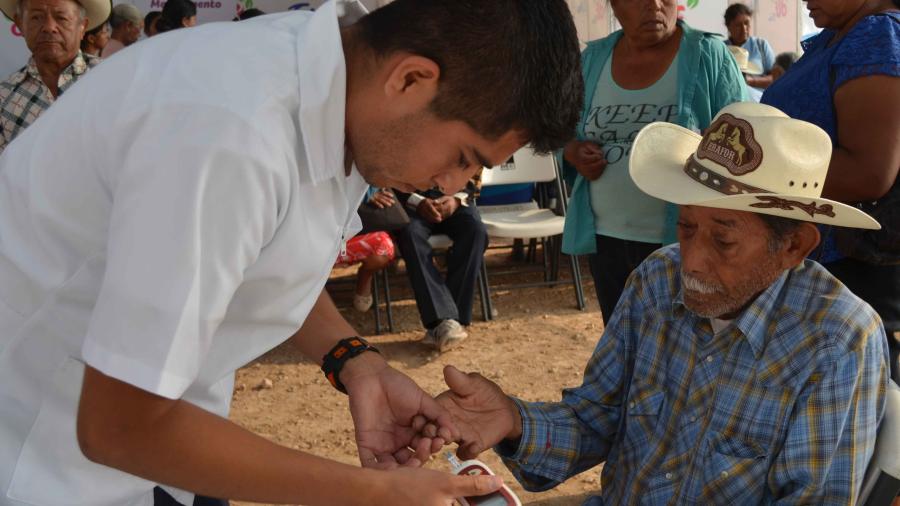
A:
538	343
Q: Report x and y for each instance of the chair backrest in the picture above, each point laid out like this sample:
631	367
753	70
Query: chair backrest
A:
526	167
882	481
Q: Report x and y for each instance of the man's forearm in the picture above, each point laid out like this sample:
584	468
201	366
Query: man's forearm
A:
179	444
323	328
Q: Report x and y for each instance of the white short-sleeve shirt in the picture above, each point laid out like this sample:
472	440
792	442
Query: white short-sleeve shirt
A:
173	216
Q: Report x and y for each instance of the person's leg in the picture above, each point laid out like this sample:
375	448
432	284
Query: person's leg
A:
879	286
432	296
464	261
610	267
367	269
379	251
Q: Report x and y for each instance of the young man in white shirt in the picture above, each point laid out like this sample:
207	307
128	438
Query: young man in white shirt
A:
178	213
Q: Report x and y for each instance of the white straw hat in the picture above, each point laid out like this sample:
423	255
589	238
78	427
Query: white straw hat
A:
742	57
97	10
752	158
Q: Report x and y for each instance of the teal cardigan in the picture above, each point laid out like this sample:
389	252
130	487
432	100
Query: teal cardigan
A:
708	80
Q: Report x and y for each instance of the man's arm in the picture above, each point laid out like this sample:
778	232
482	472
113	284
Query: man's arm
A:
176	443
384	402
831	433
543	444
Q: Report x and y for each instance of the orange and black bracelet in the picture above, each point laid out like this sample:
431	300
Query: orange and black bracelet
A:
344	350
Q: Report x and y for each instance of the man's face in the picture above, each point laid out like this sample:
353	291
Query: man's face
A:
419	151
132	32
725	260
53	29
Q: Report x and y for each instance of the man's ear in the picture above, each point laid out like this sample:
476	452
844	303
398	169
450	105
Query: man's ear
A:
412	81
799	244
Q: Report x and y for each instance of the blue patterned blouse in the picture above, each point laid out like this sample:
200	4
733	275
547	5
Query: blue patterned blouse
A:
806	91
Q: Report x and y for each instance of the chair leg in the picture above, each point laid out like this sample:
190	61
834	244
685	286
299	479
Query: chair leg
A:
546	259
576	280
387	300
487	308
375	304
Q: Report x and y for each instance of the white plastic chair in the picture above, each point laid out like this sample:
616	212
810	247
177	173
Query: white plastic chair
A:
529	220
882	482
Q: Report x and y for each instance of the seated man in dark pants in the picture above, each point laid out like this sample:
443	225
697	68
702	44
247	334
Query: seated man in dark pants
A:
445	306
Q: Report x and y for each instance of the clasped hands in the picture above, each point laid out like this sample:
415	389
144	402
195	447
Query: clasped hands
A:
399	424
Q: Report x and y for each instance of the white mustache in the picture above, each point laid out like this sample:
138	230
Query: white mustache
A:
697	285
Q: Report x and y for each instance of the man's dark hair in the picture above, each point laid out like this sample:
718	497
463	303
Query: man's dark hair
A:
505	64
735	10
779	228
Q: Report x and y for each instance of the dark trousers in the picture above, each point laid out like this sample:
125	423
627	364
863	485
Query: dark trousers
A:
162	498
436	298
878	285
610	267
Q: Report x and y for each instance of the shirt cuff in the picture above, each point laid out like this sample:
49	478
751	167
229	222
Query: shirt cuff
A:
529	449
463	198
414	200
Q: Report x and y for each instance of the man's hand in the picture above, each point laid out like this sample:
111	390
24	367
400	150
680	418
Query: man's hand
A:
429	210
389	410
382	199
428	487
587	158
484	414
447	205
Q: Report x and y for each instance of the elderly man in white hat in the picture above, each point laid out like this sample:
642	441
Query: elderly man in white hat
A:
734	370
53	30
127	23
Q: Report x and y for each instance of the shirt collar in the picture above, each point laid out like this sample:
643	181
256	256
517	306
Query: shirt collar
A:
753	322
77	67
323	89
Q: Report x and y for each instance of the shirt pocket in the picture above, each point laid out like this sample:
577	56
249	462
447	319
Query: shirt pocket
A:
641	411
735	470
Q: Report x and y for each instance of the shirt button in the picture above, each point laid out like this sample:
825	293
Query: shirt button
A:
631	405
693	419
668	476
724	474
709	358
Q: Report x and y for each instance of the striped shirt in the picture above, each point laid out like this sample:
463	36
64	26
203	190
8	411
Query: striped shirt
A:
782	406
24	96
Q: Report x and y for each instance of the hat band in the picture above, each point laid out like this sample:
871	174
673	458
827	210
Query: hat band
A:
716	181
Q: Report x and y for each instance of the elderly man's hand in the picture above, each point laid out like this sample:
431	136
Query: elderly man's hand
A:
587	158
484	414
389	411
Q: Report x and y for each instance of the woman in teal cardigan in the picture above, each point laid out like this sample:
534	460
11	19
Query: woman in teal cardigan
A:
655	69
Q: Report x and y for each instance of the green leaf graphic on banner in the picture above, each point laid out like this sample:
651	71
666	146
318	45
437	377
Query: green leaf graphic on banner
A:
692	3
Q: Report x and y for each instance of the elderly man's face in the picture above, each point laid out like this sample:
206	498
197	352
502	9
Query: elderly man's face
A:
53	29
725	260
132	33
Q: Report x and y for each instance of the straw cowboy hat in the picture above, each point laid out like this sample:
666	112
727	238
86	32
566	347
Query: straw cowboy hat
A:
752	158
97	10
742	57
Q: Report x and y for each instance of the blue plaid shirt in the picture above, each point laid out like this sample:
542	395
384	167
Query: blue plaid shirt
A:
780	407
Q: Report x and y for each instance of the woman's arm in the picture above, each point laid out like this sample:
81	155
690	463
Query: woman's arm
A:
865	160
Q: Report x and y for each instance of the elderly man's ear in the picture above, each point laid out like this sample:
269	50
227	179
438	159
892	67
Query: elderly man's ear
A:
798	244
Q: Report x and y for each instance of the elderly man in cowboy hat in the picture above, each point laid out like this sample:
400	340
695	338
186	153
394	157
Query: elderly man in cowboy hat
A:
53	30
733	370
